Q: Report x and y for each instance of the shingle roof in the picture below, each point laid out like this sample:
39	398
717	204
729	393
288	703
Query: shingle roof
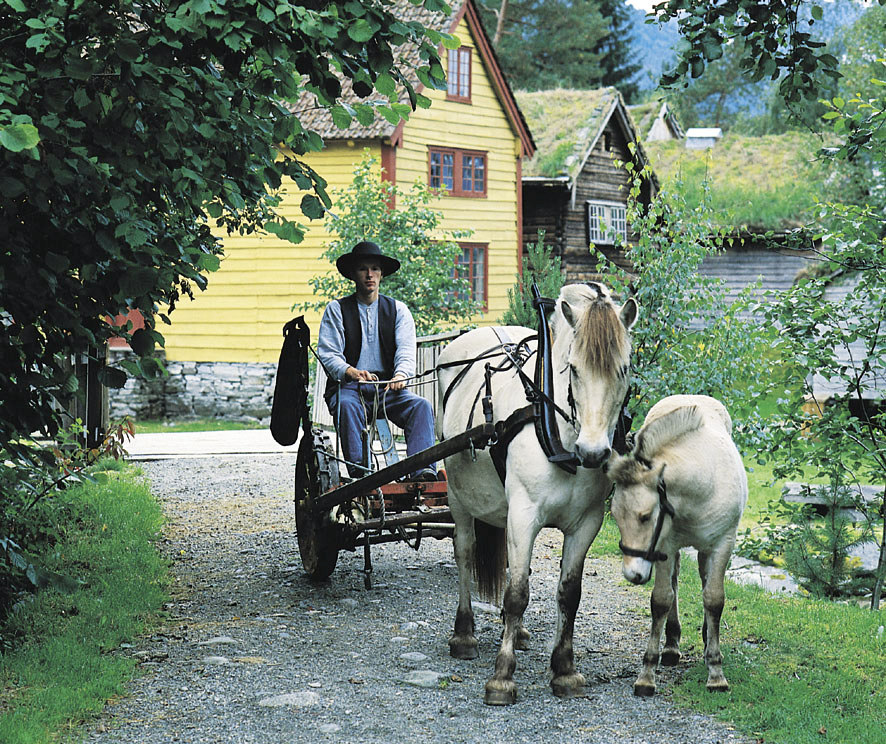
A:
315	117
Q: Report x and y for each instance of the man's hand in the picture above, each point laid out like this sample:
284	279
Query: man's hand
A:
398	382
352	374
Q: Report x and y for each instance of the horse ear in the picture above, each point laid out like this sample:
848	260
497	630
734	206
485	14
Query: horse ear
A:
629	312
568	312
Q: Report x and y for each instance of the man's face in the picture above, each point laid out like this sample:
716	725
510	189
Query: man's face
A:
367	275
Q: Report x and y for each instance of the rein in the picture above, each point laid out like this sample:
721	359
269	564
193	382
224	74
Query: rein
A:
665	509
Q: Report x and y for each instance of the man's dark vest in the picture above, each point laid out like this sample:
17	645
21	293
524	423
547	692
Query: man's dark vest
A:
387	322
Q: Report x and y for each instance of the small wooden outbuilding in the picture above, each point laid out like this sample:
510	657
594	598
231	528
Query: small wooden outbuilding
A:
574	187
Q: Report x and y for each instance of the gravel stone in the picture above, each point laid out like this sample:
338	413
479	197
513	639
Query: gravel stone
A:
238	587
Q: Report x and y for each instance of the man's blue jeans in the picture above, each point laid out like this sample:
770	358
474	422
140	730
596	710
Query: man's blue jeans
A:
407	410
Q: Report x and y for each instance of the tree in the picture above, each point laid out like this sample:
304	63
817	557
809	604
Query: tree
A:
427	281
133	133
542	268
615	49
692	339
548	43
841	442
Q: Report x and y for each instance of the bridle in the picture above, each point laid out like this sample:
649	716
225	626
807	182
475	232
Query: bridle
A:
665	509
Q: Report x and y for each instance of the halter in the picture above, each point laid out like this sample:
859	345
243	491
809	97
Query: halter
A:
665	508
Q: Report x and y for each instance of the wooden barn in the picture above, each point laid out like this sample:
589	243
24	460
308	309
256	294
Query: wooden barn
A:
573	187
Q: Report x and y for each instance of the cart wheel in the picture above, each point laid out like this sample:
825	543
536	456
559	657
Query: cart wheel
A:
315	474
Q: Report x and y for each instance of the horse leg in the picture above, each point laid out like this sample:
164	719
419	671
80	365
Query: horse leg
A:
501	689
463	643
713	597
670	655
566	682
660	604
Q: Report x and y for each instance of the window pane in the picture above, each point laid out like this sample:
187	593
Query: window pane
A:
478	279
452	82
467	173
435	170
447	174
464	89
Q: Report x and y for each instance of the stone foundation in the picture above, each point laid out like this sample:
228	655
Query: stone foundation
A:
240	391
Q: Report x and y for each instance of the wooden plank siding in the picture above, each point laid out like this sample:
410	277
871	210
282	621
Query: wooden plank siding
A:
239	318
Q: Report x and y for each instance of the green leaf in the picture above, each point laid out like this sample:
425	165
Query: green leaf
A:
129	50
311	207
208	262
340	117
361	31
17	5
18	137
142	342
112	377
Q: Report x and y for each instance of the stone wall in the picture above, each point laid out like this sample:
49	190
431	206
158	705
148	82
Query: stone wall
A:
230	390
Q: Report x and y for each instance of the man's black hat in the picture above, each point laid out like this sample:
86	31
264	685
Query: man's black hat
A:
366	251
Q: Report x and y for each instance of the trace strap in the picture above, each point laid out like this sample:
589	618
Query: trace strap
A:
665	509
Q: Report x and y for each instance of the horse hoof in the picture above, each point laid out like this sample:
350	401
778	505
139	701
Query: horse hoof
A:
461	648
670	657
643	689
521	642
718	685
568	685
500	692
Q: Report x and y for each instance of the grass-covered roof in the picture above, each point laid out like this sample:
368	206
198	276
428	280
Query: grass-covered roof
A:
765	182
564	123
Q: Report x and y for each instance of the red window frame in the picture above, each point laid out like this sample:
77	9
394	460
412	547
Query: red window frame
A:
458	76
447	170
478	279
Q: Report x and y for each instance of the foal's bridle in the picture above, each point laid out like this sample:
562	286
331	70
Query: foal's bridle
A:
665	509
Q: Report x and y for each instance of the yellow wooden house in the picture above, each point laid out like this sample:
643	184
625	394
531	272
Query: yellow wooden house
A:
470	143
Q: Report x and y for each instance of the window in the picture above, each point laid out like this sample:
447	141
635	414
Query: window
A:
459	75
606	222
460	172
471	265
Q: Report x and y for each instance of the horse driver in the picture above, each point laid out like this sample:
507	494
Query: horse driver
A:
366	337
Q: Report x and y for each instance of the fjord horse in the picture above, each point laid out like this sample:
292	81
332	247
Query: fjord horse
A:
682	484
590	351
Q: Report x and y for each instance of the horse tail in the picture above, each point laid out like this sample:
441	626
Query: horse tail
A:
490	561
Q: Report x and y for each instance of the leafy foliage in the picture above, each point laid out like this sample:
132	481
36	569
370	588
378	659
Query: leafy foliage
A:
129	130
541	267
830	339
691	340
411	233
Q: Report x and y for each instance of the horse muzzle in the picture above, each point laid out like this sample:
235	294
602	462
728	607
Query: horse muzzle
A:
592	457
636	570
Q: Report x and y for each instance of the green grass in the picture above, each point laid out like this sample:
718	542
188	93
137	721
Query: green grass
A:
800	670
765	182
62	669
158	426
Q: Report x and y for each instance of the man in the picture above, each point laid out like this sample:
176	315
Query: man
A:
366	337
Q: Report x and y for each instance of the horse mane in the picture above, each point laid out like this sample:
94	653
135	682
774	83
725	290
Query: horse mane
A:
660	432
601	338
636	466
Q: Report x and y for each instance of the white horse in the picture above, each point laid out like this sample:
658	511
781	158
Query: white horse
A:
590	353
682	484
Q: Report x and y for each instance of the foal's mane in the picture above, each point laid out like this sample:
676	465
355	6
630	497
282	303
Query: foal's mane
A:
601	338
660	432
636	467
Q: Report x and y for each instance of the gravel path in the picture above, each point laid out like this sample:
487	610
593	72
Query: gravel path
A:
254	653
